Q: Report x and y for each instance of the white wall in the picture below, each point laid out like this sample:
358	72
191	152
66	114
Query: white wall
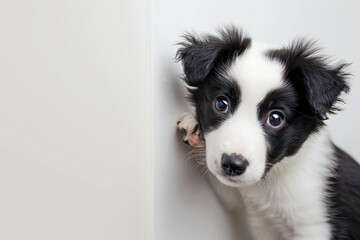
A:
184	206
75	120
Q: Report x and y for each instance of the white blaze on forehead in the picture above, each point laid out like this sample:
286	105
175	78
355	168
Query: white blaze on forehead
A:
256	74
242	132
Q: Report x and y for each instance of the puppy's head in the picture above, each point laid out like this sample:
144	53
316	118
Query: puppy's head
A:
254	105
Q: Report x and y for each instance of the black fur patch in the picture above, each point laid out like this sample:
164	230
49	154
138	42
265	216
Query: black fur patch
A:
313	87
344	200
288	139
318	83
205	61
204	99
200	56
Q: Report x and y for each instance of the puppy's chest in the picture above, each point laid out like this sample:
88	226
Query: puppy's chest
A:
271	210
288	202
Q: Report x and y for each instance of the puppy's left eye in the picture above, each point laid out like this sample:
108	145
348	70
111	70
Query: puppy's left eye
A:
222	104
275	119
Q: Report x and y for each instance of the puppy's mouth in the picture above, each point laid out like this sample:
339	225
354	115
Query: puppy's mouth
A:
235	181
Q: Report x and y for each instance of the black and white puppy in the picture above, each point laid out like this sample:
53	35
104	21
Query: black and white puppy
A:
260	115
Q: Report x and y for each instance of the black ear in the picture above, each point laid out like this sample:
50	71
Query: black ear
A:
319	84
200	55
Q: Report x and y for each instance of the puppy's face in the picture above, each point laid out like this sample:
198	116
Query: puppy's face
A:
254	105
236	110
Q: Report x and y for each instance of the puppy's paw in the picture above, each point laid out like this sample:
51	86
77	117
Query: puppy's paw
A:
189	129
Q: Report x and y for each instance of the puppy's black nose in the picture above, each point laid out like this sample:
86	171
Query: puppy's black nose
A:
233	164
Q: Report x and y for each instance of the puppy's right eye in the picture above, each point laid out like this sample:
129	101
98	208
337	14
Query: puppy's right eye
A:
222	104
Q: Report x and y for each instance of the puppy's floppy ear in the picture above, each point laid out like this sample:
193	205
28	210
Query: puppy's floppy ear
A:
319	84
200	55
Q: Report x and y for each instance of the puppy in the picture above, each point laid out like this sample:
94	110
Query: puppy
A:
260	117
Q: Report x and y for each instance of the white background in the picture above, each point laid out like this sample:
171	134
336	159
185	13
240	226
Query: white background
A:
89	98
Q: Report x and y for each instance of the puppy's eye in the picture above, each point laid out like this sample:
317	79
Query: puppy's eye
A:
222	104
275	119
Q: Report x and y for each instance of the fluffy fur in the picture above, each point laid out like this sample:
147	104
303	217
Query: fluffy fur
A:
267	107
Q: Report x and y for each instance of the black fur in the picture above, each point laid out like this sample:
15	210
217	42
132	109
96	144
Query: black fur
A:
299	124
319	83
204	60
204	99
344	200
200	56
313	88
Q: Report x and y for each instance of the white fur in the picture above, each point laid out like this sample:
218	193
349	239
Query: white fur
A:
242	133
289	203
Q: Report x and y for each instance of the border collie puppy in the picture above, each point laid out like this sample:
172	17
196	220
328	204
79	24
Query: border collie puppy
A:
259	117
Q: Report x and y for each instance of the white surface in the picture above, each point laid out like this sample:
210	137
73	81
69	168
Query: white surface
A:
75	124
184	206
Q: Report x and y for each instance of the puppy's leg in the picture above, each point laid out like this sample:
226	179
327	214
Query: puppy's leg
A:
189	128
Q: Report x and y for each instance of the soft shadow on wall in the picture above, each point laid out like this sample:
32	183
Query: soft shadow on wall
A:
184	203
